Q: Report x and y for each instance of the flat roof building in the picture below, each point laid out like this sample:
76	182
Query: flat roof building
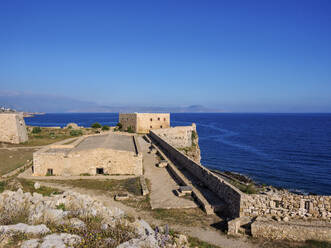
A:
99	154
143	122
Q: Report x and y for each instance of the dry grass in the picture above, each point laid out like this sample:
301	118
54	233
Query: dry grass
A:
48	136
27	186
13	159
195	242
94	236
187	217
131	185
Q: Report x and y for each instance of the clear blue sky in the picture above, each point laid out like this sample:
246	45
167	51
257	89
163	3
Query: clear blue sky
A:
236	55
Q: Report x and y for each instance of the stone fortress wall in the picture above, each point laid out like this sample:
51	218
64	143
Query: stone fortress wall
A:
77	158
143	122
12	128
230	194
286	205
179	137
282	204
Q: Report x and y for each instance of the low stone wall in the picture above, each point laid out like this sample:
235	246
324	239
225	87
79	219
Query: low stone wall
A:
293	231
231	195
286	205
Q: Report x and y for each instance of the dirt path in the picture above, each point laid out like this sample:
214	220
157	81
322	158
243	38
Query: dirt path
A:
206	234
162	184
20	147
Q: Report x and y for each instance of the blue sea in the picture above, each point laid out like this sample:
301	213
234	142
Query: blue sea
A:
291	151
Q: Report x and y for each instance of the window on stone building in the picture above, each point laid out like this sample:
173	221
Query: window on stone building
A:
49	172
307	205
150	127
161	126
151	119
158	118
32	168
164	119
100	171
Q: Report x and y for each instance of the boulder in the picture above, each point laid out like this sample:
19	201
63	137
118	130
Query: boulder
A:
61	240
32	243
37	185
24	228
76	223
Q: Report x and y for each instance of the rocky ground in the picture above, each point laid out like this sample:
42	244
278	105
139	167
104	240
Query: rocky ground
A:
71	219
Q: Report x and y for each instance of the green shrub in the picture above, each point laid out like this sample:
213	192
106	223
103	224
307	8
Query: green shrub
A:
105	128
61	206
130	129
194	135
36	130
96	125
120	126
76	132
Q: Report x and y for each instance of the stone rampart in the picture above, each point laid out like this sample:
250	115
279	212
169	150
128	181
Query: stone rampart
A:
293	231
12	128
179	137
281	205
284	204
231	195
184	138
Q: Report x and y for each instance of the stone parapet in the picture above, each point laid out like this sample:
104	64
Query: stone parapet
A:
293	231
225	191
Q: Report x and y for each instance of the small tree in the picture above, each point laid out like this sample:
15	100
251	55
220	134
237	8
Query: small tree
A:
96	125
105	128
36	130
119	125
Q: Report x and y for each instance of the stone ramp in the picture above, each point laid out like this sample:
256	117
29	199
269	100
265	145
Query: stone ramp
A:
204	197
162	184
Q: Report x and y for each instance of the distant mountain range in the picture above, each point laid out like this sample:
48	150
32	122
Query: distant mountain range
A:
28	102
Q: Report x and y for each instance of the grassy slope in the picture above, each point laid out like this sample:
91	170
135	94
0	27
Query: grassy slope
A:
12	159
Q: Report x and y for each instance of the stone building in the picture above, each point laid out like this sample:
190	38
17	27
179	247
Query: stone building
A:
12	128
98	154
143	122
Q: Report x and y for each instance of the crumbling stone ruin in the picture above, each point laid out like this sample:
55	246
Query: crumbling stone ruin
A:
12	128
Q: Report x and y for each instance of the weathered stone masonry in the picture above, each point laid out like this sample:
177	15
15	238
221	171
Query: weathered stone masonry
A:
100	154
282	204
12	128
143	122
231	195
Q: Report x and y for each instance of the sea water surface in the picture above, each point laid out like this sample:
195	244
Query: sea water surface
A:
292	151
